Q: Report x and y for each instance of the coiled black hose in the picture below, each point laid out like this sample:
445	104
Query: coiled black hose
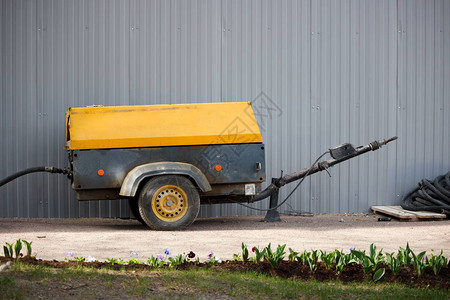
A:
32	170
430	195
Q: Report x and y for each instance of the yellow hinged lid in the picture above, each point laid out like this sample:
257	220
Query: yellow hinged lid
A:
161	125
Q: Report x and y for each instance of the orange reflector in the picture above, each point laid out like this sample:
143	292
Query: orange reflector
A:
101	172
218	168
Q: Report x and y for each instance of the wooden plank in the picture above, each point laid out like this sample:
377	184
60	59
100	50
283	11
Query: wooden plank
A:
393	211
408	215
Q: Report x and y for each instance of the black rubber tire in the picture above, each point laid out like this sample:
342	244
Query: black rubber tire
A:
133	203
146	197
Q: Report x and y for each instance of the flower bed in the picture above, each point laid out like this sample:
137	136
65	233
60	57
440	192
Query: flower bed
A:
404	267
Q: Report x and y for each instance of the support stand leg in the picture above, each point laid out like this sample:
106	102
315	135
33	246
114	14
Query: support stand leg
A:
273	215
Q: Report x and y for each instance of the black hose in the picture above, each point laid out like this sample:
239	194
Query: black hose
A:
430	195
32	170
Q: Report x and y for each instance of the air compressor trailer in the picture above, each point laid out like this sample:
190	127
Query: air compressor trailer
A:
168	159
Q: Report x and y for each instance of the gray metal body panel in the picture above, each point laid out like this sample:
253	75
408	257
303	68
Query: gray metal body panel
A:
238	162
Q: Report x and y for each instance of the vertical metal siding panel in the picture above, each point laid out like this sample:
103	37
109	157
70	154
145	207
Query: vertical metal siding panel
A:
7	94
429	92
332	107
284	101
52	106
315	97
285	63
271	123
354	99
91	83
304	96
421	104
347	86
401	100
388	158
17	95
438	116
9	134
30	129
445	107
3	99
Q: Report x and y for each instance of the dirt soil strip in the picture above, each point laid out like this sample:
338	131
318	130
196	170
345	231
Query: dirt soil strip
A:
101	238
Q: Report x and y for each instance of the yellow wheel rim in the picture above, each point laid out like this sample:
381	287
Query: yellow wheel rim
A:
169	203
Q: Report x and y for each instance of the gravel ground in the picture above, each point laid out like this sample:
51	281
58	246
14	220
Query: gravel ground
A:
101	238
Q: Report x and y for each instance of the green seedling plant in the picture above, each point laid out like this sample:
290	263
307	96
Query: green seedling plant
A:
18	248
28	245
419	262
310	259
259	255
376	257
323	255
370	262
330	259
274	258
315	255
364	260
311	263
404	255
177	260
156	262
345	259
303	258
8	250
244	252
436	262
393	263
292	254
133	259
79	259
115	261
213	259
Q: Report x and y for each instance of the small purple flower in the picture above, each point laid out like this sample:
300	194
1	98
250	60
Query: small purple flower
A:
210	255
134	253
351	249
167	251
69	254
160	257
191	254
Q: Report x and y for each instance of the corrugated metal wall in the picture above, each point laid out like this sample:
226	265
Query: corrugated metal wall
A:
319	73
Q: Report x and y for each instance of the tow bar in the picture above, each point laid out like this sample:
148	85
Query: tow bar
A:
339	154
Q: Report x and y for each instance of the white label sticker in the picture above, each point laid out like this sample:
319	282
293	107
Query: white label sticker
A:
250	189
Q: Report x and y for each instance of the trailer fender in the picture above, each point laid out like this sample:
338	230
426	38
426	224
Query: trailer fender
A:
134	177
